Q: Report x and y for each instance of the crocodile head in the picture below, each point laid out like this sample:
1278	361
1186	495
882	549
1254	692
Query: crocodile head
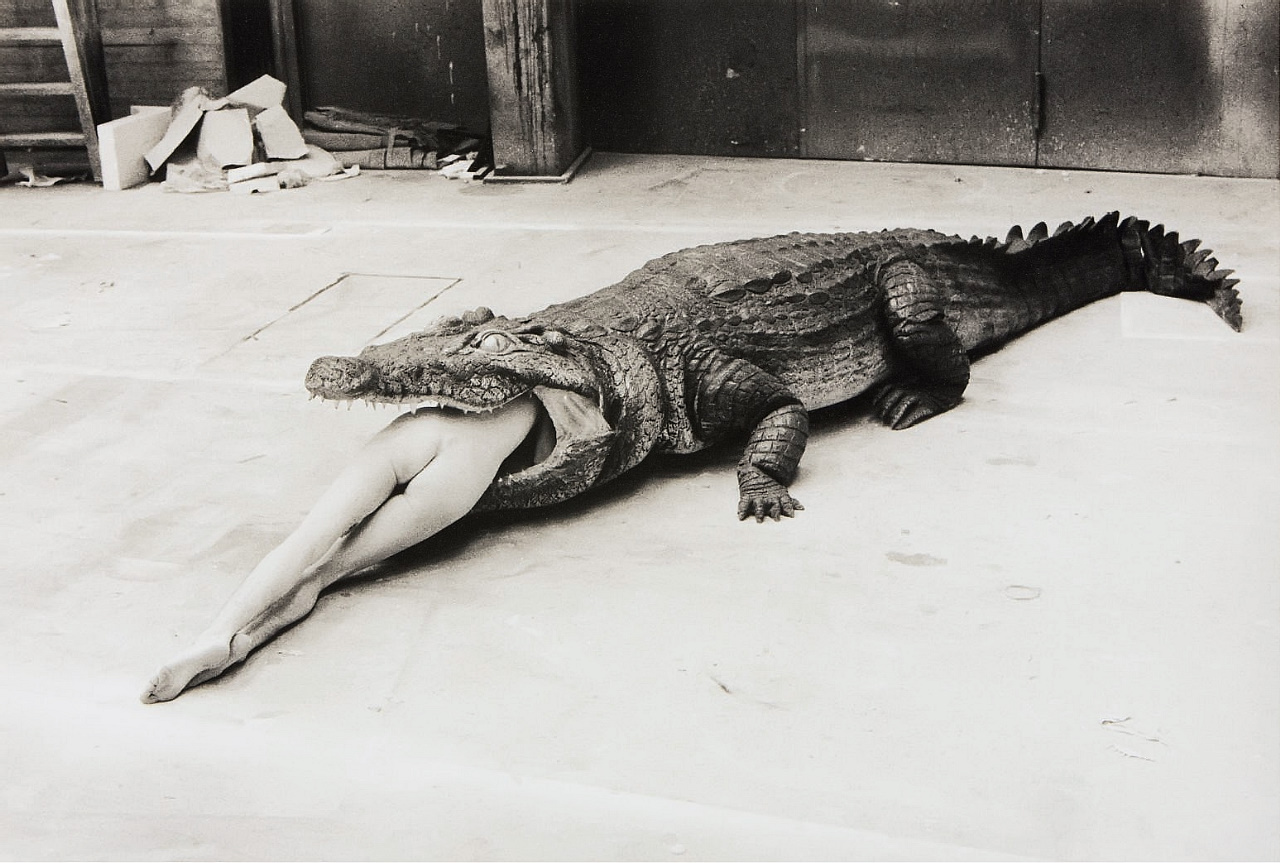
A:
479	362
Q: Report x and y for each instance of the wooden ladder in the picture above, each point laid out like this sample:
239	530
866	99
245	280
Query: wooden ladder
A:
81	39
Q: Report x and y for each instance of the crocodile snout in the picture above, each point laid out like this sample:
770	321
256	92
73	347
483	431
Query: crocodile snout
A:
340	377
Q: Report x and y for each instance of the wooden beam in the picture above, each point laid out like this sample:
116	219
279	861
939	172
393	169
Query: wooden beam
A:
111	36
115	37
530	48
82	46
42	88
42	139
29	36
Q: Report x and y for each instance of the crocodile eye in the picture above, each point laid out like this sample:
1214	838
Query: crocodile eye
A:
496	343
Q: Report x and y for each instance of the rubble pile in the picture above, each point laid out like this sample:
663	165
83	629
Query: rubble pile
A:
247	142
244	142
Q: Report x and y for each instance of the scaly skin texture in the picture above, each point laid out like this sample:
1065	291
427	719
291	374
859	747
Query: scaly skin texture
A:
744	338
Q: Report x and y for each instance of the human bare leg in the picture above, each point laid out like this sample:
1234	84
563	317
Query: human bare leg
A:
420	474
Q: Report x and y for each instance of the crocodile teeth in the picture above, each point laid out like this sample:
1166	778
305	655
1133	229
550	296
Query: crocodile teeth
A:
417	402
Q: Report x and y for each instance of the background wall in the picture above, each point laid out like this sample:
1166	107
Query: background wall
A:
1154	85
423	58
1186	86
154	48
923	81
714	77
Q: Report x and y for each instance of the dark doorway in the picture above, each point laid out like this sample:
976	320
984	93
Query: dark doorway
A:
715	77
246	33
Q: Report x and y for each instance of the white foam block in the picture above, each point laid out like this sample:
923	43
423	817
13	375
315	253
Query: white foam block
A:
123	145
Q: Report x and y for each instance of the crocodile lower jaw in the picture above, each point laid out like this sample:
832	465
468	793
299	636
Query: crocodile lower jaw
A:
571	421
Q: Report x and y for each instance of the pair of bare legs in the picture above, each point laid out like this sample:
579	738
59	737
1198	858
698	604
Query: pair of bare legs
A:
420	474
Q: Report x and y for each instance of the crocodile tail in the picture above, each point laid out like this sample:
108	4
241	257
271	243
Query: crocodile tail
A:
1075	265
1157	261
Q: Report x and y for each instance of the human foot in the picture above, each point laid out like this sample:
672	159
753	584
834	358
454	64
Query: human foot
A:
202	662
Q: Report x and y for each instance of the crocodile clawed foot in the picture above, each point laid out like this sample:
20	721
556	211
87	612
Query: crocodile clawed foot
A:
762	507
761	496
901	406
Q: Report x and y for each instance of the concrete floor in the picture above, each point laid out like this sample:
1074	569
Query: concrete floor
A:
1044	625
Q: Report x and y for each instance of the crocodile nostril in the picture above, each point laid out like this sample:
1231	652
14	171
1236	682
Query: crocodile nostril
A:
339	377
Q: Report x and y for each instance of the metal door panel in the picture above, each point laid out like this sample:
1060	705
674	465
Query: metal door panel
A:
921	80
1185	86
714	77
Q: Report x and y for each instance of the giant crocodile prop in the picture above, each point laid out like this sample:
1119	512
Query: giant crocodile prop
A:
744	338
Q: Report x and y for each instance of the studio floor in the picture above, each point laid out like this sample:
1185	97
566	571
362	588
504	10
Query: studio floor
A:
1045	625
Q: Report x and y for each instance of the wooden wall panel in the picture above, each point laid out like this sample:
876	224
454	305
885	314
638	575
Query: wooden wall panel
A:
154	49
157	48
34	63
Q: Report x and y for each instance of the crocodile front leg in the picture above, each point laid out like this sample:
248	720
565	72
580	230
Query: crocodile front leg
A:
769	463
936	368
734	395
